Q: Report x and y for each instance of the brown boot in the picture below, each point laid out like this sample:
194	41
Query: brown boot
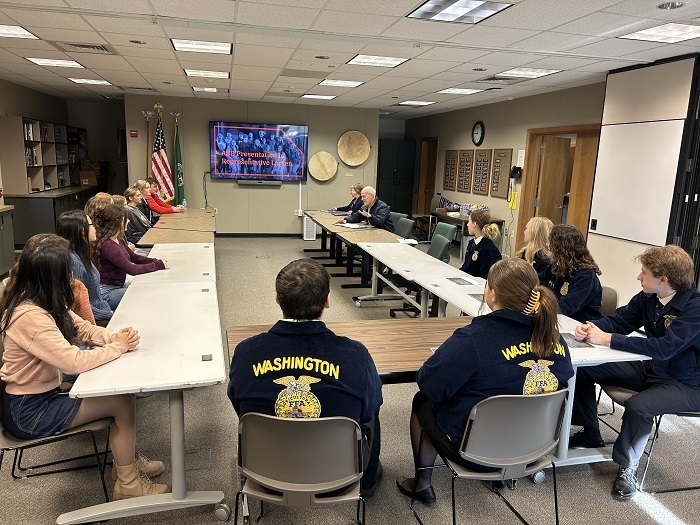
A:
131	483
145	466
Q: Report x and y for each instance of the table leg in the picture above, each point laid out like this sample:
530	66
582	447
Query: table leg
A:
424	296
180	498
323	248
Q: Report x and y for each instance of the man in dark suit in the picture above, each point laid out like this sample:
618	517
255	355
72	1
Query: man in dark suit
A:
377	213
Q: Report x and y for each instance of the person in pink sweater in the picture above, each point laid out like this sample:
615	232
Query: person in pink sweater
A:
39	335
114	258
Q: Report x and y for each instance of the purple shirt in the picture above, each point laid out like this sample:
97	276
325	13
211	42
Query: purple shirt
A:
117	260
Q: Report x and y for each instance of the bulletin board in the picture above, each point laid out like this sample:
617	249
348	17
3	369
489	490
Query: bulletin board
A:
449	179
482	171
464	170
500	176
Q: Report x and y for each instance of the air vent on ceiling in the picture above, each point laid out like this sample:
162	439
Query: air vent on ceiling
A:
501	80
76	47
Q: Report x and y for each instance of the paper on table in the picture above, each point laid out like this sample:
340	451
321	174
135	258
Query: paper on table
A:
354	225
571	341
408	241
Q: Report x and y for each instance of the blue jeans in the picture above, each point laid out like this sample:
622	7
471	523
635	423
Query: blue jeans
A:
113	294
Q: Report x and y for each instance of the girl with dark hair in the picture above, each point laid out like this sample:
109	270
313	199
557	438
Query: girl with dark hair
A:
37	331
481	253
78	229
573	274
114	258
496	354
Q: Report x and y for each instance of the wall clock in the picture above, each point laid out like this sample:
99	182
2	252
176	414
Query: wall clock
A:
478	133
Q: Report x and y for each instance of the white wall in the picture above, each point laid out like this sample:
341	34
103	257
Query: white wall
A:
246	209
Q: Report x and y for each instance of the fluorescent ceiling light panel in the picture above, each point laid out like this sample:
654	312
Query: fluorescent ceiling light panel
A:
16	32
667	33
207	74
319	97
526	72
376	61
415	103
91	81
461	11
199	46
54	63
458	91
341	83
209	89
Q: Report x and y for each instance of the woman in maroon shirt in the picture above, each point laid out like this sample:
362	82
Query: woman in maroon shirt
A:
114	258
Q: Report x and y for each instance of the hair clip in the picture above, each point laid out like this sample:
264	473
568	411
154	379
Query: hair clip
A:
533	304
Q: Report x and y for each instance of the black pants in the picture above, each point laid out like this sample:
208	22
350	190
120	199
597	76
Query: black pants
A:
372	433
657	396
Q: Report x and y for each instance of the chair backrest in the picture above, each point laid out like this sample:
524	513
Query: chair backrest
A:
440	248
299	457
395	216
435	202
404	227
447	230
609	304
510	432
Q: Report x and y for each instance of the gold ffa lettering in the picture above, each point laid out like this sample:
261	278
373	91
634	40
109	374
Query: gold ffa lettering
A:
310	364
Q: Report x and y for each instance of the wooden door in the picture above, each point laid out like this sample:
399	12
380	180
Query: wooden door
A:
551	183
582	181
428	168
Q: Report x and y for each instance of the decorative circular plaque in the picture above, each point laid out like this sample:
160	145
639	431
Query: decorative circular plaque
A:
322	166
353	148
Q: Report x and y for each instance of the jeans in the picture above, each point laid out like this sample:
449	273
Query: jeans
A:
113	294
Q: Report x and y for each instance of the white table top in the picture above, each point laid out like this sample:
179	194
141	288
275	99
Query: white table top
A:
175	335
187	263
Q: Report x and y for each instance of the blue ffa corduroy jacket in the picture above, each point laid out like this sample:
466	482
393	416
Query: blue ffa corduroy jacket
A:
486	358
672	341
580	295
354	206
480	257
302	369
380	216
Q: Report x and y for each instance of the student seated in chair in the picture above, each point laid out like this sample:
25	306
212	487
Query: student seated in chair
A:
300	369
377	213
516	350
668	307
481	253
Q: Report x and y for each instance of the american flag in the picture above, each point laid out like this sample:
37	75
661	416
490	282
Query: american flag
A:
160	164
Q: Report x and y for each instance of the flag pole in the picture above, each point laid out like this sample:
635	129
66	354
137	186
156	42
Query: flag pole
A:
148	115
178	180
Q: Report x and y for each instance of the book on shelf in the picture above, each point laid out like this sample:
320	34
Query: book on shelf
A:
28	131
44	132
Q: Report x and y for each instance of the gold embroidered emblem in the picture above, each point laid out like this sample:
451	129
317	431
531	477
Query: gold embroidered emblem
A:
475	256
668	319
539	379
564	289
297	400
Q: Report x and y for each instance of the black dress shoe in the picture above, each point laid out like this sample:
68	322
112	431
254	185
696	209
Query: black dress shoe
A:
625	485
579	440
425	496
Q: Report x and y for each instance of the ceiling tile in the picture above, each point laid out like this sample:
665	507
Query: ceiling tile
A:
209	82
321	67
207	35
506	59
248	55
561	63
170	67
605	25
603	66
250	85
34	18
296	82
615	47
61	35
145	52
152	42
420	68
309	55
331	46
429	85
492	36
25	46
385	82
125	25
362	24
451	54
394	51
220	59
254	72
317	4
459	76
649	10
214	10
415	29
665	51
245	95
94	60
396	8
551	41
539	14
119	77
125	6
273	16
564	76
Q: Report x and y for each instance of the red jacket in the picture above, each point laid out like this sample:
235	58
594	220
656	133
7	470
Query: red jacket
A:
157	205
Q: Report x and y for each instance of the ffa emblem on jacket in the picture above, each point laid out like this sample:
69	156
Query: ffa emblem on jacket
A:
668	319
564	289
297	400
539	379
475	255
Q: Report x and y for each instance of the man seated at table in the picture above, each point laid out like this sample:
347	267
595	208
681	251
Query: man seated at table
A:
375	212
668	307
300	369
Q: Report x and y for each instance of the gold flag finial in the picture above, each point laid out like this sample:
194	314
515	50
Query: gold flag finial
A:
158	107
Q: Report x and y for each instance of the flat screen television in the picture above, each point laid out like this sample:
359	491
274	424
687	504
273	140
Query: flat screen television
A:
267	152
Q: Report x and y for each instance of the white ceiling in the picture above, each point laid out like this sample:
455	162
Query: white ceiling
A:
277	42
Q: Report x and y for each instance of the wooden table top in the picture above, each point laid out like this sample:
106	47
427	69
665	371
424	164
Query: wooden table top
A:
326	221
203	224
399	347
163	235
354	236
190	213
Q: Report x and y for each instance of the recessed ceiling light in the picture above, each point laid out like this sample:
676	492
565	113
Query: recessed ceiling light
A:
458	91
376	61
670	5
415	103
666	33
54	63
526	72
207	74
168	82
461	11
15	32
479	69
199	46
209	89
319	97
139	42
91	81
322	57
341	83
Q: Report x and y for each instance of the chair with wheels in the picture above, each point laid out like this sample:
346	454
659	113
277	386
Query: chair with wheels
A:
395	216
404	227
512	434
446	230
300	462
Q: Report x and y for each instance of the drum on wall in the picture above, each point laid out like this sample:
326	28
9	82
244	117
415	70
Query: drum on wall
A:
322	166
353	148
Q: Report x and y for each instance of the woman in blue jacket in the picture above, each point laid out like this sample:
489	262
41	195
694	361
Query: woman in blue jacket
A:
496	354
355	203
481	250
